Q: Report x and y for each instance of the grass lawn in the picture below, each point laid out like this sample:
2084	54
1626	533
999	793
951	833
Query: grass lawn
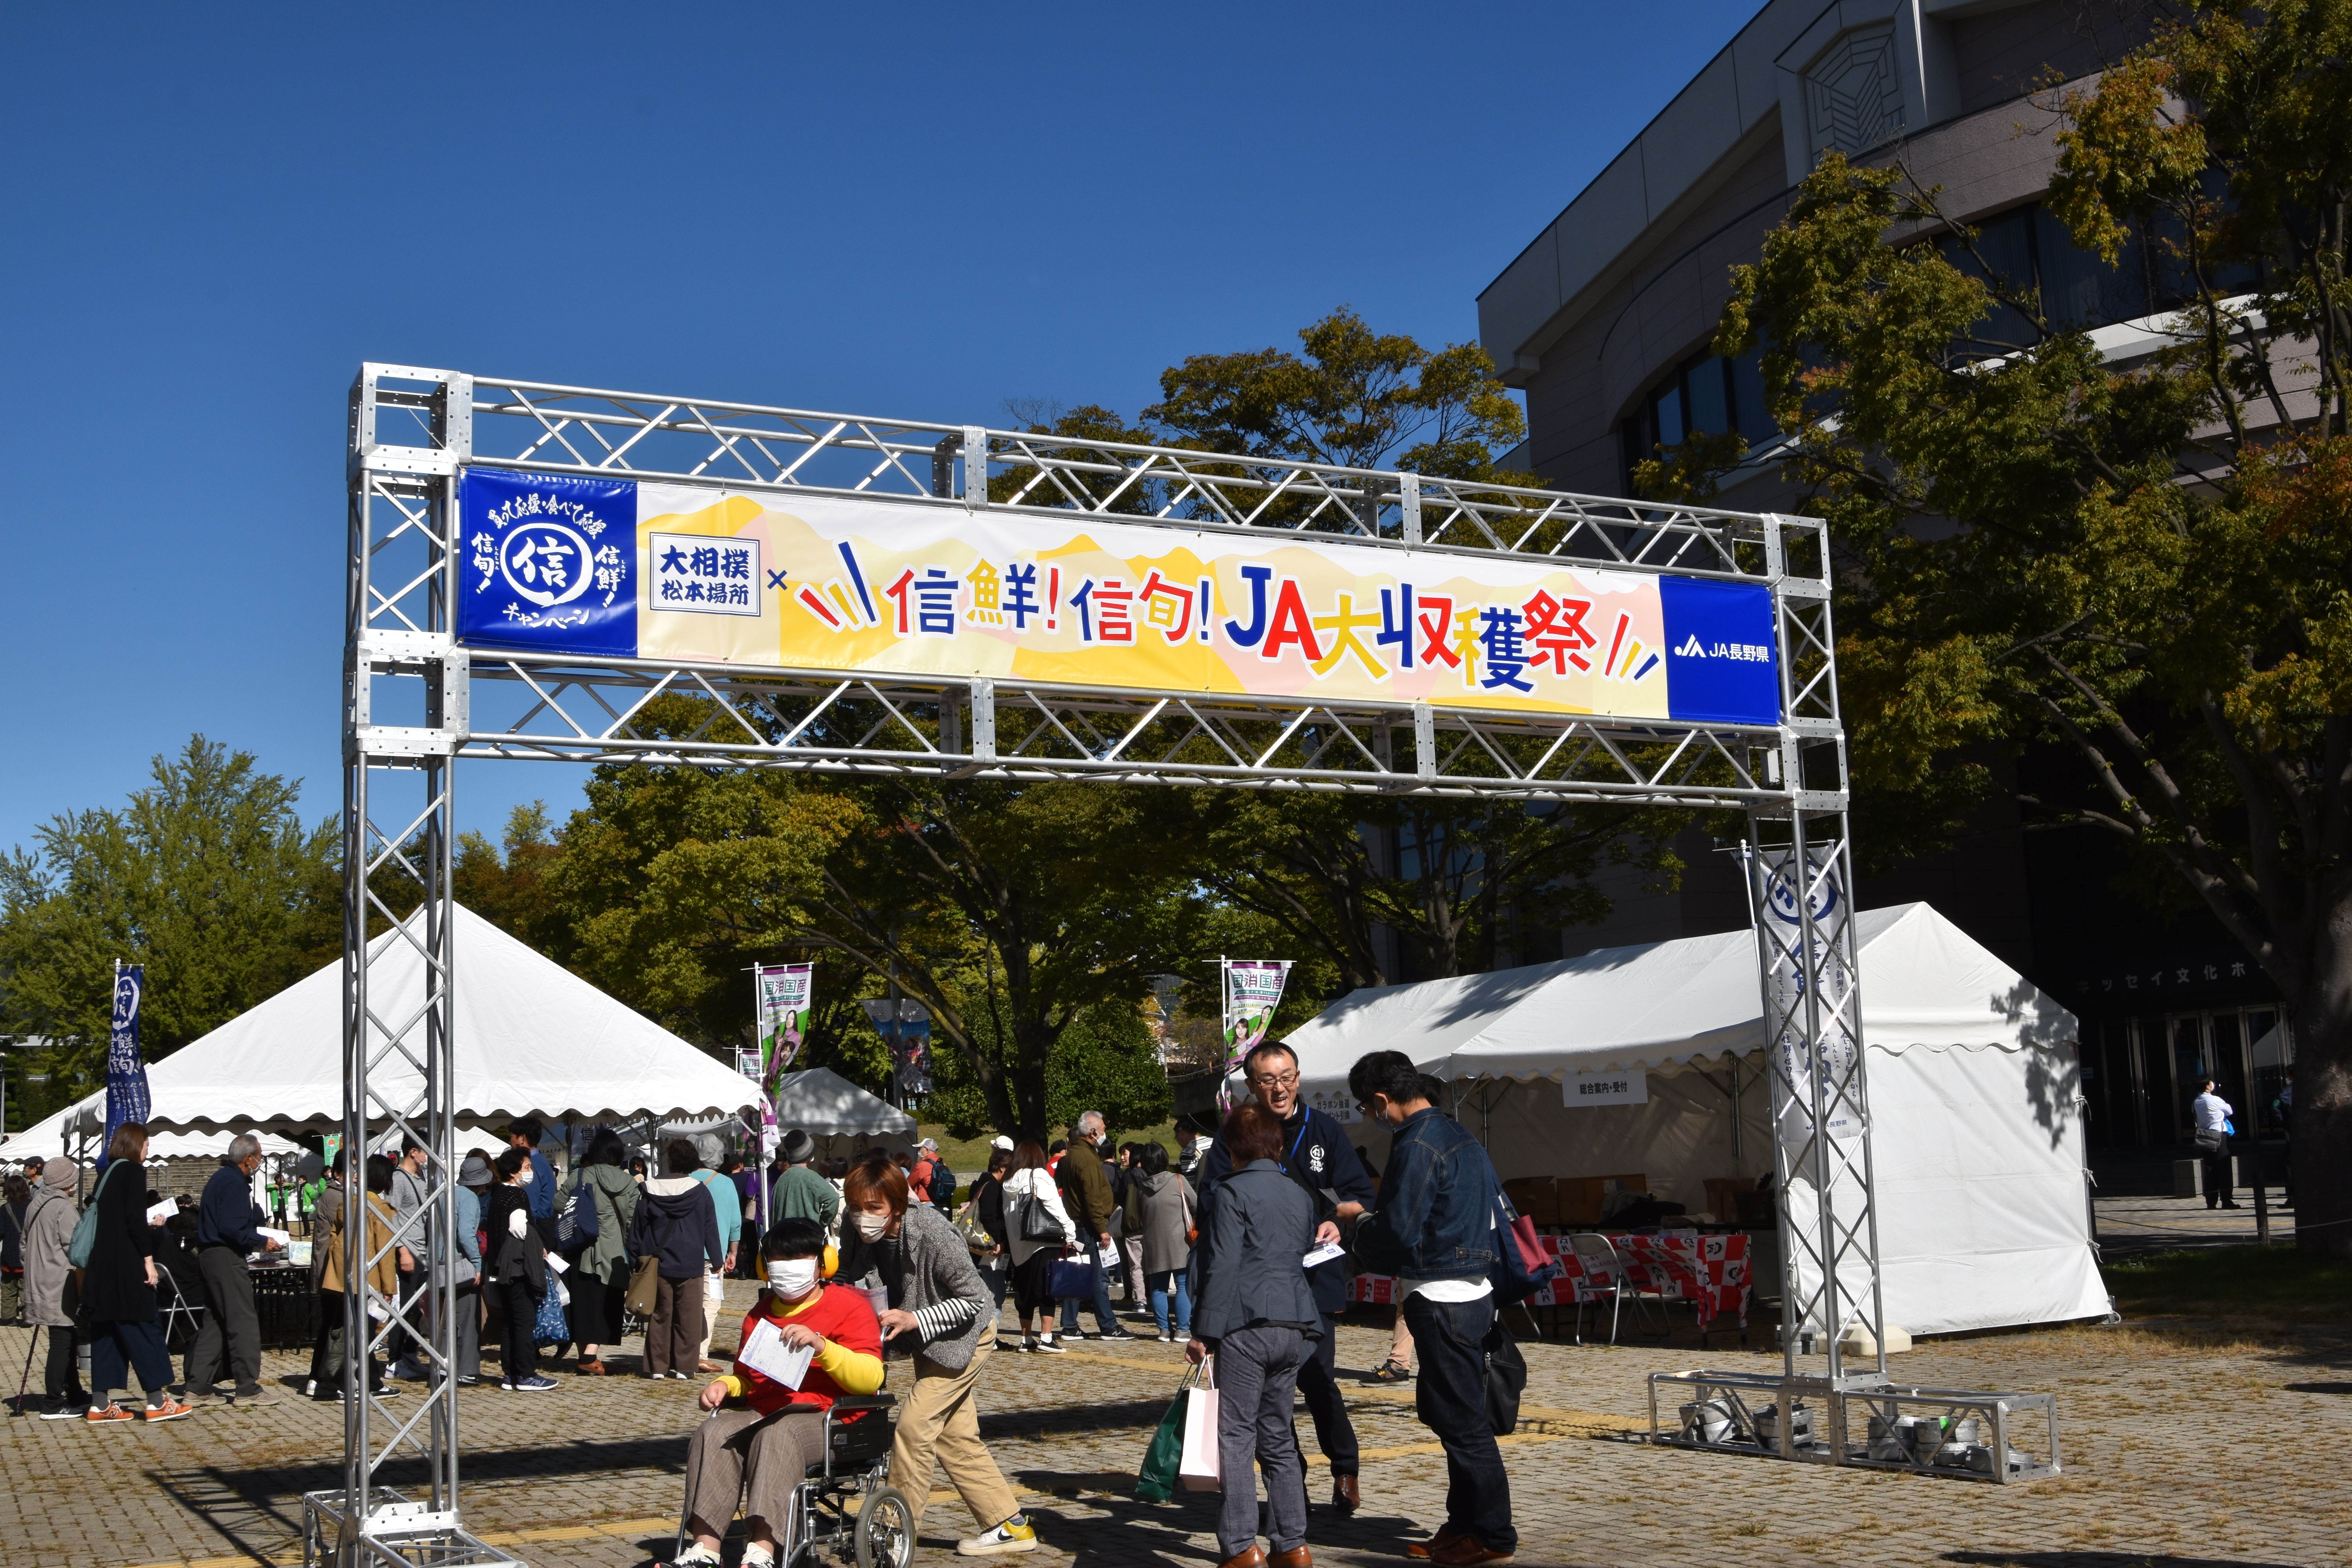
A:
2235	1282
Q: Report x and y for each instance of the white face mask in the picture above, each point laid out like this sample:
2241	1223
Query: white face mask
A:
872	1226
792	1277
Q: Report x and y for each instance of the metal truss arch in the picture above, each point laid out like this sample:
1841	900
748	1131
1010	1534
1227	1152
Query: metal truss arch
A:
416	701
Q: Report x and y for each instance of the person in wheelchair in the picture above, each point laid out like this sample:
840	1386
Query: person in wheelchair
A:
762	1438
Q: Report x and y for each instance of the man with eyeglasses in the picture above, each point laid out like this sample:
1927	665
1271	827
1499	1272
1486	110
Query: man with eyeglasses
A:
1318	1157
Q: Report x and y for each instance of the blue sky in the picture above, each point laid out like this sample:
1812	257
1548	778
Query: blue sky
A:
214	215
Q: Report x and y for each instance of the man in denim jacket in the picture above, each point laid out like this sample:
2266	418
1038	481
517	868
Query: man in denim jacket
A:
1433	1227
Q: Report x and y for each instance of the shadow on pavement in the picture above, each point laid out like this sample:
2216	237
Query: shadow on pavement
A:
2101	1559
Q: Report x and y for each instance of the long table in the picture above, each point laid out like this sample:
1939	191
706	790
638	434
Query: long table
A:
1710	1272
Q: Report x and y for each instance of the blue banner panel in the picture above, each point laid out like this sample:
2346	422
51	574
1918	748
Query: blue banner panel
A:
1721	662
548	563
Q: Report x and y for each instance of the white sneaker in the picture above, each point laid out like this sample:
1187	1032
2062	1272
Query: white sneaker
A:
1013	1535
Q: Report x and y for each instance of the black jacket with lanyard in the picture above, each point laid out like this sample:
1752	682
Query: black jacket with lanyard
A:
1318	1157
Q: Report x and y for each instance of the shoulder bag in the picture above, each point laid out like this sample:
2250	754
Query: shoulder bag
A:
645	1280
968	1225
1037	1221
1191	1227
85	1230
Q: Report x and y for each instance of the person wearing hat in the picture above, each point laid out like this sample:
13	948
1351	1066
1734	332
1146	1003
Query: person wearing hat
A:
800	1192
473	1181
51	1294
943	1182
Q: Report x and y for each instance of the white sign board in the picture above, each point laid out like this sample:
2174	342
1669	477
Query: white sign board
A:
1336	1103
1590	1088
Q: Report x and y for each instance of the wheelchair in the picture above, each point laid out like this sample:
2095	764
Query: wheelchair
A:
846	1501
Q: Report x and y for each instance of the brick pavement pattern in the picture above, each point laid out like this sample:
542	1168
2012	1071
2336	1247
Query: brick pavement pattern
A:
2151	1415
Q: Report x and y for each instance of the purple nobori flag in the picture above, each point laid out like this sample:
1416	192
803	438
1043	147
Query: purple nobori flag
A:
126	1071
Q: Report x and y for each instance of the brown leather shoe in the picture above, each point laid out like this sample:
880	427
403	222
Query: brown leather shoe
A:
1345	1496
706	1366
1422	1550
1296	1557
1466	1552
1251	1556
590	1369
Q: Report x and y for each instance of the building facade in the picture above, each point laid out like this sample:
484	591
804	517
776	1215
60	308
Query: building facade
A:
1604	322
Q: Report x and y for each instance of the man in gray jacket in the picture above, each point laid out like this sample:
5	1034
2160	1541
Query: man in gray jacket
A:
1255	1311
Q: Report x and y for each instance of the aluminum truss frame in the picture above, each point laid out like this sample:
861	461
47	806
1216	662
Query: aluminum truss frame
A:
410	711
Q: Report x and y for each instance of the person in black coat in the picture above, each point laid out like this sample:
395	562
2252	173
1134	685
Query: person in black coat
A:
517	1269
118	1289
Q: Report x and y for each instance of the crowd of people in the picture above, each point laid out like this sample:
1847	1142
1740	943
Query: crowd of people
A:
1233	1250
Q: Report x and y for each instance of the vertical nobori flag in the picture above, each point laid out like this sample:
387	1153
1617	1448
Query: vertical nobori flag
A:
1253	989
783	991
126	1070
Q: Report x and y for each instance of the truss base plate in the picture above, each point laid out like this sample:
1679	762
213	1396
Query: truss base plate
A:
397	1533
1861	1422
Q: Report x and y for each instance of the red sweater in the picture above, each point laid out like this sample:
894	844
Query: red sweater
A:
850	1361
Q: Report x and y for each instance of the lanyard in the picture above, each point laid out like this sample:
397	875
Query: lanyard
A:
1304	1121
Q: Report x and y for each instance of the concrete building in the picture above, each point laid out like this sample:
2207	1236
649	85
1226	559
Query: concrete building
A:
1604	320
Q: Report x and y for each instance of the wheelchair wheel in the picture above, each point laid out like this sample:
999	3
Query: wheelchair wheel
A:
885	1530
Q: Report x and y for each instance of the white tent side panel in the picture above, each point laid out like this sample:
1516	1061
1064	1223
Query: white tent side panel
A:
1984	1215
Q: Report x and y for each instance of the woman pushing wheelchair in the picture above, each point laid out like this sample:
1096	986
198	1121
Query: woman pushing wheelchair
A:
762	1438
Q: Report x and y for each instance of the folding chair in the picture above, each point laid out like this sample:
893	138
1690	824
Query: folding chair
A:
172	1304
1606	1269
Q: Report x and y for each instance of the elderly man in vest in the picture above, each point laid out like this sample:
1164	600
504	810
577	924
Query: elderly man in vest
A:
228	1227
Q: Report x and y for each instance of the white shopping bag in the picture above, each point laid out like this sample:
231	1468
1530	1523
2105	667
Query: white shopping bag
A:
1198	1471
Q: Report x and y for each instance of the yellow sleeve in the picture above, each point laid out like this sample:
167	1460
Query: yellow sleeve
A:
853	1371
734	1386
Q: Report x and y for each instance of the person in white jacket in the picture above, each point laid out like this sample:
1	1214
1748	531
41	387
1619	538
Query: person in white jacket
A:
1031	1198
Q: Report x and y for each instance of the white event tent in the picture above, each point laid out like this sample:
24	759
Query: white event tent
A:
532	1038
52	1136
1976	1133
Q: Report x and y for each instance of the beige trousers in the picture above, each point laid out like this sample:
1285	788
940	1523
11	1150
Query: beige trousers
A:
941	1420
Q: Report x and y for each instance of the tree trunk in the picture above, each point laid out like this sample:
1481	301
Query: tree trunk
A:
2321	1123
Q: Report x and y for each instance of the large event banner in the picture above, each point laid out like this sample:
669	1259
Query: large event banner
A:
552	563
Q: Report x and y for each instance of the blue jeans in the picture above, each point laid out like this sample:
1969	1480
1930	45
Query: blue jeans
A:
1163	1287
138	1344
1103	1318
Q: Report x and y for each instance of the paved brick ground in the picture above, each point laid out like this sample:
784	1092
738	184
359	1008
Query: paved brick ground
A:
2184	1447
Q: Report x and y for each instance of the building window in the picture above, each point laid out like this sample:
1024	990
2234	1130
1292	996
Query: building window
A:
1705	395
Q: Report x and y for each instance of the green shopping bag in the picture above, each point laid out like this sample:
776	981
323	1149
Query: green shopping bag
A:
1156	1481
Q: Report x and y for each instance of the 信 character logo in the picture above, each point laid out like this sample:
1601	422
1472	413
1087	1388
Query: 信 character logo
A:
545	549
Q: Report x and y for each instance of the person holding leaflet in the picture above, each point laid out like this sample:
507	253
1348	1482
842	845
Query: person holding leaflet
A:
763	1435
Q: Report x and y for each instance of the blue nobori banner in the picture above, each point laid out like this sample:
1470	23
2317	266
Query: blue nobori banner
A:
657	569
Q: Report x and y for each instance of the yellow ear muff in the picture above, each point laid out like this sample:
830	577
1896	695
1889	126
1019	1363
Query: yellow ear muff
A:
827	1264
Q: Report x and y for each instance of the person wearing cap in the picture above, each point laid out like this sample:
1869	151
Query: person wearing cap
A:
800	1192
473	1177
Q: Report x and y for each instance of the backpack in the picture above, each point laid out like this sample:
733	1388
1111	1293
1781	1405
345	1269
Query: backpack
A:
577	1225
84	1231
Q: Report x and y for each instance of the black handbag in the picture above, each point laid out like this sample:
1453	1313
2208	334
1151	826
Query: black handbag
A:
1037	1221
1506	1378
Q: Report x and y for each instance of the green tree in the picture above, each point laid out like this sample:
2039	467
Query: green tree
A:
514	892
207	877
2148	568
1105	1060
1355	398
1464	884
1010	910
